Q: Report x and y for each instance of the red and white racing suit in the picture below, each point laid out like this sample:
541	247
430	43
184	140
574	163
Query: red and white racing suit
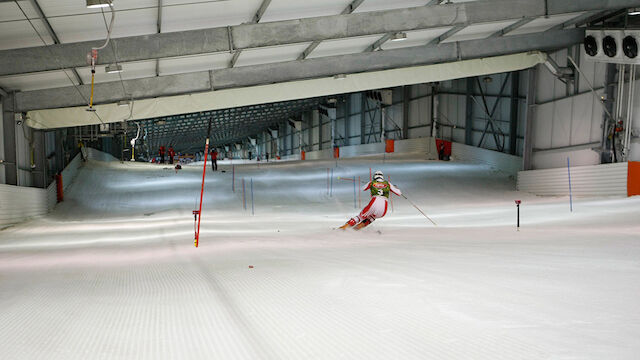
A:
377	206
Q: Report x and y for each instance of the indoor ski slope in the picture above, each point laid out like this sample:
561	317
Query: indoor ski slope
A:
112	273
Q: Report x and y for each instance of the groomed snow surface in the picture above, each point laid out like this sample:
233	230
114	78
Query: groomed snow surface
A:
112	272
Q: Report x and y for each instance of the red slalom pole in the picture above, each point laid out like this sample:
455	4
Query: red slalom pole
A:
370	177
204	172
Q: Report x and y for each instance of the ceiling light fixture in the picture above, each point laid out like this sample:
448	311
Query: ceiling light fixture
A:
399	36
340	76
113	68
95	4
123	103
634	11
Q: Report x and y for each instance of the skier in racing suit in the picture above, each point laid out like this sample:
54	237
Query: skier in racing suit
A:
377	207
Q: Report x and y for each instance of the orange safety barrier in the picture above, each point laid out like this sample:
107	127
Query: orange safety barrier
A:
303	155
336	152
389	146
633	178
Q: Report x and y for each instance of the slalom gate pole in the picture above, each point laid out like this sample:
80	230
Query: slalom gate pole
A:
196	241
244	199
252	206
370	176
570	194
331	192
355	205
391	196
328	181
417	208
518	210
359	194
204	172
233	178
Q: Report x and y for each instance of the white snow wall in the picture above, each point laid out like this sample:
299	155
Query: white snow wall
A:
591	180
19	203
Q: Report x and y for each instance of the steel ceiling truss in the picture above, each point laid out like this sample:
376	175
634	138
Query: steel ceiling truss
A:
186	132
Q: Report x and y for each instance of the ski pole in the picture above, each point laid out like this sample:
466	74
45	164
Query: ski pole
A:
359	194
391	196
417	208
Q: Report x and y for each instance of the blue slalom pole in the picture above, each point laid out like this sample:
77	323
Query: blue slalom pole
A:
252	207
244	198
331	188
570	194
355	204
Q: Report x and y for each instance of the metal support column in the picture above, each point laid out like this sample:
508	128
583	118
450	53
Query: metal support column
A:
434	110
309	131
468	127
38	173
9	135
513	125
531	109
406	98
363	127
610	88
346	114
291	136
317	119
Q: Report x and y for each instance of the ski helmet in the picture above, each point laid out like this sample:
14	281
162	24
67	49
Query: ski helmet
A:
378	176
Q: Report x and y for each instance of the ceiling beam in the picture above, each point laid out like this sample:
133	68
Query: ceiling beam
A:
579	20
510	28
449	33
256	19
246	36
52	34
388	36
348	10
109	92
3	92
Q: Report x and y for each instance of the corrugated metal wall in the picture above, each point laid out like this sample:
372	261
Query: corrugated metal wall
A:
591	180
567	119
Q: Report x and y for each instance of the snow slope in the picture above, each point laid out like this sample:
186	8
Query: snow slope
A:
112	273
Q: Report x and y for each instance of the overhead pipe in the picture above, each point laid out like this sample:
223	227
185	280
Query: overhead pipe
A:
629	121
564	73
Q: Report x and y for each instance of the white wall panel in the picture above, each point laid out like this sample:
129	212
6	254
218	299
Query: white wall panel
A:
18	203
558	158
504	162
592	180
425	145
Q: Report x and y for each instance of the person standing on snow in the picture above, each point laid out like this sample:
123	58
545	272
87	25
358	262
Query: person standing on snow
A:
377	207
161	153
214	159
172	154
